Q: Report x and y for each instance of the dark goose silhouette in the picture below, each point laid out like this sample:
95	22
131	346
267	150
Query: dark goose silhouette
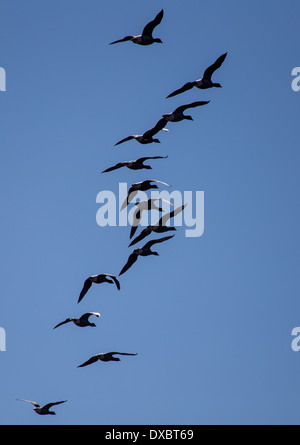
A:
104	357
178	115
143	251
160	227
98	279
146	37
140	186
206	81
82	322
147	137
141	206
134	165
43	410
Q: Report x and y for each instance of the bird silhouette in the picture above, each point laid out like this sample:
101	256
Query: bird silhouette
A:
160	227
146	37
141	186
147	137
82	322
178	115
43	410
141	207
138	164
98	279
206	81
104	357
143	251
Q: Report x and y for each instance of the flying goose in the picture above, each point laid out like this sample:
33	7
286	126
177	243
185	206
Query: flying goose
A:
146	37
206	81
82	322
160	227
102	278
178	115
141	206
134	165
143	186
43	410
144	251
104	357
147	137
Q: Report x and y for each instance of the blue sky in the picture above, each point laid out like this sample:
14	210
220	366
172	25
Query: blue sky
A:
211	317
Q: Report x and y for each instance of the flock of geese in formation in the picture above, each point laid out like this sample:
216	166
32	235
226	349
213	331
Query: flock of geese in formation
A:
177	115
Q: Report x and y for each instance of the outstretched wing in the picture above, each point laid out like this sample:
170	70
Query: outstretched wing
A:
147	31
160	182
160	240
186	87
146	182
158	127
192	105
63	322
136	220
86	316
49	405
30	401
141	160
120	353
132	231
131	194
125	39
87	284
131	260
164	200
115	167
212	68
93	359
125	140
145	232
163	220
115	280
